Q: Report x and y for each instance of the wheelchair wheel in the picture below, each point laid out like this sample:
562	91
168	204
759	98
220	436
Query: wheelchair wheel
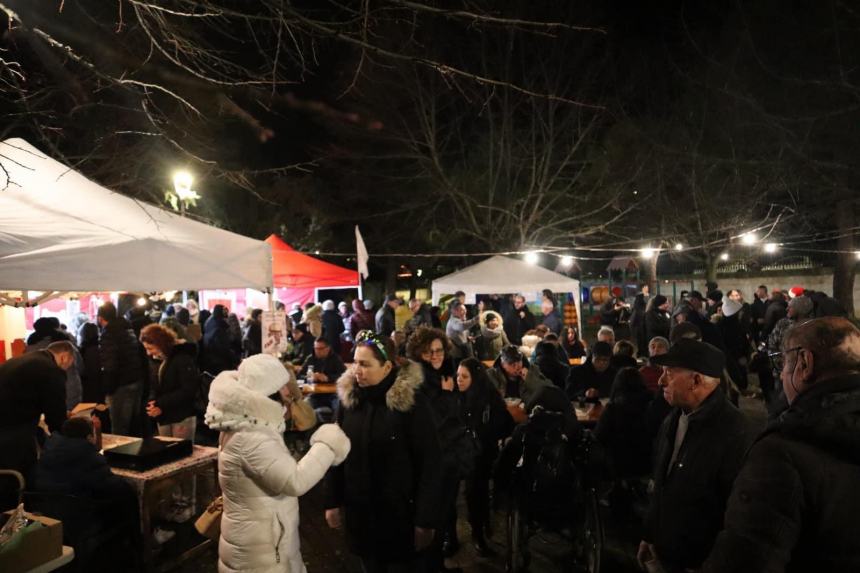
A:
517	554
590	539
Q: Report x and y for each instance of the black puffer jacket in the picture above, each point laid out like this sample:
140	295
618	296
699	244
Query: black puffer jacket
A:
74	466
178	382
218	352
794	506
120	356
688	504
391	481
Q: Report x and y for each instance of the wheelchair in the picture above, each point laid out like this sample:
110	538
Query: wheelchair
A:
570	512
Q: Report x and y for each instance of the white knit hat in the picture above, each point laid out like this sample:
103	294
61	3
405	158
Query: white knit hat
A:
263	373
730	307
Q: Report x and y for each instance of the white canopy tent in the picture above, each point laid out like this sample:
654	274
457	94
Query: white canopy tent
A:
61	232
500	275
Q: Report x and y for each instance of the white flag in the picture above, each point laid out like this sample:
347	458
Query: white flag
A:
363	257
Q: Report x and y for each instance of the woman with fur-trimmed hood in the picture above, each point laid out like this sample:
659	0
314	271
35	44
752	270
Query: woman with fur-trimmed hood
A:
493	338
259	478
387	493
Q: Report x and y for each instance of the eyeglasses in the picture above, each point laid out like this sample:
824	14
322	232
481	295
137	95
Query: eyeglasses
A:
370	338
776	358
436	351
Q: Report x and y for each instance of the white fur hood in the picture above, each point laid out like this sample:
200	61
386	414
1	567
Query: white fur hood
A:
233	407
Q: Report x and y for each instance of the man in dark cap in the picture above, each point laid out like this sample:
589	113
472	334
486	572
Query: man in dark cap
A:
513	377
794	505
700	449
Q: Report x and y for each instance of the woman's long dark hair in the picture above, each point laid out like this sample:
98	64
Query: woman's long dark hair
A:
480	381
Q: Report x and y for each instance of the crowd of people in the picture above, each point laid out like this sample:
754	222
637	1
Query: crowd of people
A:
454	395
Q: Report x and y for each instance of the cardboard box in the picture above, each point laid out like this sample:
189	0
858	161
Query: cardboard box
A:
41	542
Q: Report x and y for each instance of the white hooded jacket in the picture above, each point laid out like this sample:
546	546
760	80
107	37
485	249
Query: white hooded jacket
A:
260	480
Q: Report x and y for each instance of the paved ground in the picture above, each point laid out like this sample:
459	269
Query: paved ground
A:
324	550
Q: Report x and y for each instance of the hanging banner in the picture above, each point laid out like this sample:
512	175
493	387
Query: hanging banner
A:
274	332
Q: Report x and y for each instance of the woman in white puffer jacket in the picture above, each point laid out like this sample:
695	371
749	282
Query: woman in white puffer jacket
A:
260	480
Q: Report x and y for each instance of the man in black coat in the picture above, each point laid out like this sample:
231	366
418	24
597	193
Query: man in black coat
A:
385	318
332	325
794	505
699	451
328	367
123	371
518	320
595	373
31	385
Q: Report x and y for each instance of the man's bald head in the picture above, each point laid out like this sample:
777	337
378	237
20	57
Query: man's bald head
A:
818	350
834	342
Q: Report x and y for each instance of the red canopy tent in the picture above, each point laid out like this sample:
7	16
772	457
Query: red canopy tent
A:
297	276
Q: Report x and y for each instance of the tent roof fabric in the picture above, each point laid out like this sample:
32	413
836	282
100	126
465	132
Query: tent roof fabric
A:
500	274
292	269
622	263
60	231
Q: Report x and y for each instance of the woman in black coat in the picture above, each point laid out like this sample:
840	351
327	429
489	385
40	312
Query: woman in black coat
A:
218	353
430	347
485	417
88	343
572	344
173	394
387	493
622	428
657	320
547	360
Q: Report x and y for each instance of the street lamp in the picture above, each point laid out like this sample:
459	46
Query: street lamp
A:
749	239
182	181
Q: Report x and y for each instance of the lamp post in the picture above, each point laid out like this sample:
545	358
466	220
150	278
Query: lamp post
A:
182	181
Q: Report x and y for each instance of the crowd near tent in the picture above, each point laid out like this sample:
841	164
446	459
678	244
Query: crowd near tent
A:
59	231
505	275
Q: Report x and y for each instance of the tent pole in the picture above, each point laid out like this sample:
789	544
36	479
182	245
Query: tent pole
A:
271	296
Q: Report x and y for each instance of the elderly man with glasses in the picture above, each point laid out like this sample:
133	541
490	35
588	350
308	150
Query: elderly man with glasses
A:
794	505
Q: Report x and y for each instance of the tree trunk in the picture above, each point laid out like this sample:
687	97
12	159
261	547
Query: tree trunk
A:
651	278
711	261
391	275
846	260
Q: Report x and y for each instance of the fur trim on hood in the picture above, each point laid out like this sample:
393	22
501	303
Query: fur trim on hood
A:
400	397
313	313
233	407
491	333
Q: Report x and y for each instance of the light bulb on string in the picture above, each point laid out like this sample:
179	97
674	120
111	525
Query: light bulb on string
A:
532	257
567	261
770	248
749	239
724	257
679	247
646	252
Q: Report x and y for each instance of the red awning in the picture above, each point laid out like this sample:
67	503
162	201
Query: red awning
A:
291	269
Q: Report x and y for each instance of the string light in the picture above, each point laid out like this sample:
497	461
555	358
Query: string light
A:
679	247
647	252
141	301
749	239
724	257
566	261
532	257
770	248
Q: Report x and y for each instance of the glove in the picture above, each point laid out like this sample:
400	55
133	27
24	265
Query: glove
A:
332	436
